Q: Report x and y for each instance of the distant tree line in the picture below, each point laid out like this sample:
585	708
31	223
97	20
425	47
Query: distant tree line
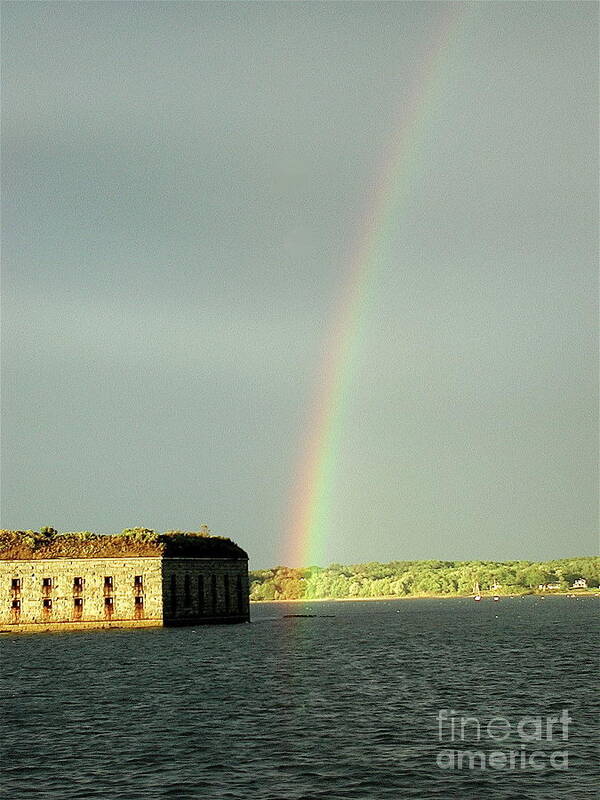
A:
415	578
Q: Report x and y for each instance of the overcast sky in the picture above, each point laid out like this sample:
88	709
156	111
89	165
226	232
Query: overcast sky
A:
184	184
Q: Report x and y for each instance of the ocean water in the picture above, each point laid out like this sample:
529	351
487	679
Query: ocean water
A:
346	704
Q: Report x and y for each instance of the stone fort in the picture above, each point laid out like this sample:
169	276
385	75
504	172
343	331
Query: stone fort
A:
51	581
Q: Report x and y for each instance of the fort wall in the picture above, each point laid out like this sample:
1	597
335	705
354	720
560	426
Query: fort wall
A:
79	593
203	590
62	592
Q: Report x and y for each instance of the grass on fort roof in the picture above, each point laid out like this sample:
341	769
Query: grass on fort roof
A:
49	543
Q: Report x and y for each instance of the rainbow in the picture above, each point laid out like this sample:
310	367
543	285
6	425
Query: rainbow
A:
310	506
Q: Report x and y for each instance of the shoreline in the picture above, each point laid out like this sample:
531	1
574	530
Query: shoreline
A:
573	594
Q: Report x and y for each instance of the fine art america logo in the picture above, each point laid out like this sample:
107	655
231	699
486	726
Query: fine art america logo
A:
550	732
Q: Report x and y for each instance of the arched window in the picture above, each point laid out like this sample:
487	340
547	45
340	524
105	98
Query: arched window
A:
213	592
201	594
173	592
187	592
240	594
226	592
77	607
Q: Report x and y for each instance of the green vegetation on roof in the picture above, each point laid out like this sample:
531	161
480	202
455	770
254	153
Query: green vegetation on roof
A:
49	543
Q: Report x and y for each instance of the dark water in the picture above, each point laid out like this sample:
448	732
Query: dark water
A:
327	707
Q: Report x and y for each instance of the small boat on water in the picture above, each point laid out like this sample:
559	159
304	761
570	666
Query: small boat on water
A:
476	592
496	598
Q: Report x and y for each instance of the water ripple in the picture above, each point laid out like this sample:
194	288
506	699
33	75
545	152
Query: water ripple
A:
339	707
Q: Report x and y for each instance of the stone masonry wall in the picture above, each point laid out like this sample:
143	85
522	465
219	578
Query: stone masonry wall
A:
205	590
54	593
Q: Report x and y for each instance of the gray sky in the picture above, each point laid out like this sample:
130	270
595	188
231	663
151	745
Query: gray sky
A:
183	188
